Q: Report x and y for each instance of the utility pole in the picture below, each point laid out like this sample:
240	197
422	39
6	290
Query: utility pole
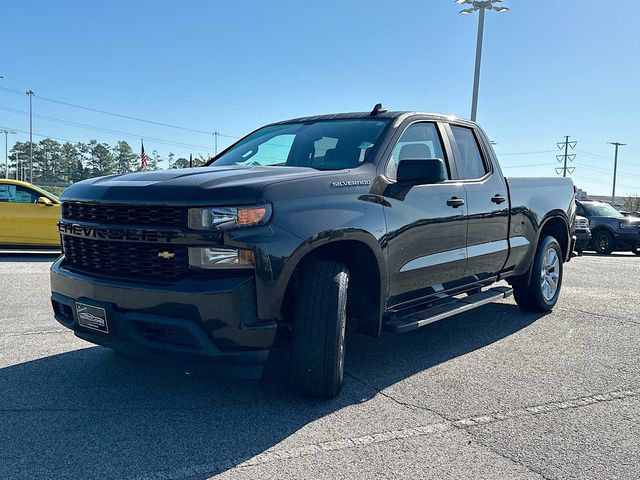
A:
31	94
6	151
566	156
615	169
480	6
215	143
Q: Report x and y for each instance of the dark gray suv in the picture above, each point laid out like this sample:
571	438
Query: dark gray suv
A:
611	230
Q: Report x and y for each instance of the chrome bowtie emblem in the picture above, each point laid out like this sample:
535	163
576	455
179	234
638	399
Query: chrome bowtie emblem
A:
166	255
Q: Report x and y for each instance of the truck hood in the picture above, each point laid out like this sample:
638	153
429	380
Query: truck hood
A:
190	186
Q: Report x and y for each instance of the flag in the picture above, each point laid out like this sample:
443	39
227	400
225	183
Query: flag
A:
190	160
144	160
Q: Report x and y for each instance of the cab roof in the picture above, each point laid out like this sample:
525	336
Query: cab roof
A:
9	181
397	115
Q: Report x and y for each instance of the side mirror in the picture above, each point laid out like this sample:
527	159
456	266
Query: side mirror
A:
423	171
44	201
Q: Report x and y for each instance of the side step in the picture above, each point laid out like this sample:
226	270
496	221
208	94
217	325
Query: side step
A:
446	310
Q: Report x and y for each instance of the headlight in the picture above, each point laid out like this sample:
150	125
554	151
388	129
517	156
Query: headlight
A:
581	224
228	217
220	257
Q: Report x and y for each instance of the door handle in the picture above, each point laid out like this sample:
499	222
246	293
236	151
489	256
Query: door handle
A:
455	202
497	198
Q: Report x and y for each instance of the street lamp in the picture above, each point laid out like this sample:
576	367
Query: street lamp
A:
615	169
31	94
6	156
481	6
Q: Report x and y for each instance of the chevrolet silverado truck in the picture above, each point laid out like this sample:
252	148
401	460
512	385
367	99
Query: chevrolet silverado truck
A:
380	221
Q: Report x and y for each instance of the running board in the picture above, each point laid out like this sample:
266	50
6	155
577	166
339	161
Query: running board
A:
446	310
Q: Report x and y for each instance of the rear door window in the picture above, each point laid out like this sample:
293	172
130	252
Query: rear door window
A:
469	162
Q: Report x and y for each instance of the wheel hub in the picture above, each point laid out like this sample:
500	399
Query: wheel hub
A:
550	274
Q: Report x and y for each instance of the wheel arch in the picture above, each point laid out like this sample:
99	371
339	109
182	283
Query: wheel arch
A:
555	224
363	256
558	226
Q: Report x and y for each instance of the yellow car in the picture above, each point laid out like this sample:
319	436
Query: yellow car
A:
28	215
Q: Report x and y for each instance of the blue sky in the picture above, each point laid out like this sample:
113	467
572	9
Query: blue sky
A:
550	68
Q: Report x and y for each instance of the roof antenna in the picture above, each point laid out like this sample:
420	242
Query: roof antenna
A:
378	109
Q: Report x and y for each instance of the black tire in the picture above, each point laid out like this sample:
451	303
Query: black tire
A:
636	249
603	242
532	297
317	350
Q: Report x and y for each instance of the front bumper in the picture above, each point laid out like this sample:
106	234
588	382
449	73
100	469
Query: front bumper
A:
204	318
583	239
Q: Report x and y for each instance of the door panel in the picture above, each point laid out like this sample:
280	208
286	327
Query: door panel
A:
426	241
426	237
29	224
488	205
23	222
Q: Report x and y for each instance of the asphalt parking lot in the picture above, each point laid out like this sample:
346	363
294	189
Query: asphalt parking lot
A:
496	393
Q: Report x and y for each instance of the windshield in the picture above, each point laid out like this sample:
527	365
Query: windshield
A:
323	145
601	210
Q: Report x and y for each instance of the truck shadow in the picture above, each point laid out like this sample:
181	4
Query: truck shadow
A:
19	256
90	413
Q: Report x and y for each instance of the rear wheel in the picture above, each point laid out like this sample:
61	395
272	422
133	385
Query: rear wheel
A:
603	242
636	249
317	350
542	293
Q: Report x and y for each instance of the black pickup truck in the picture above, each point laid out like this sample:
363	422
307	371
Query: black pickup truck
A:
382	221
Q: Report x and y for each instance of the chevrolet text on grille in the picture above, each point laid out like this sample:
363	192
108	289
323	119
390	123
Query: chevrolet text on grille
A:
116	233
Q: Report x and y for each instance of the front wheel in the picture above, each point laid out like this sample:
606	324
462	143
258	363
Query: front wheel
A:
542	293
317	350
603	242
636	249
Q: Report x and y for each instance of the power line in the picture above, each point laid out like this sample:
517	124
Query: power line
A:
566	156
128	117
596	155
105	130
604	182
529	165
120	115
525	153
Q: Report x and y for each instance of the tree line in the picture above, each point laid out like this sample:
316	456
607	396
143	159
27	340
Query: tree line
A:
64	163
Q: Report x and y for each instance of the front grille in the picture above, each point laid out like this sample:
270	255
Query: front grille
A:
159	215
130	261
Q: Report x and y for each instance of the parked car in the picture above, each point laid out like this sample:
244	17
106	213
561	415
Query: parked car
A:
610	230
28	215
381	220
582	233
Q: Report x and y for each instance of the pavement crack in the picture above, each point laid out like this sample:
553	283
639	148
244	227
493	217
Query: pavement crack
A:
599	315
509	458
396	400
465	424
34	332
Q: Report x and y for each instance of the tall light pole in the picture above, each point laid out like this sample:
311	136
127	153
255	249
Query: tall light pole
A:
6	151
481	6
615	169
31	94
215	143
